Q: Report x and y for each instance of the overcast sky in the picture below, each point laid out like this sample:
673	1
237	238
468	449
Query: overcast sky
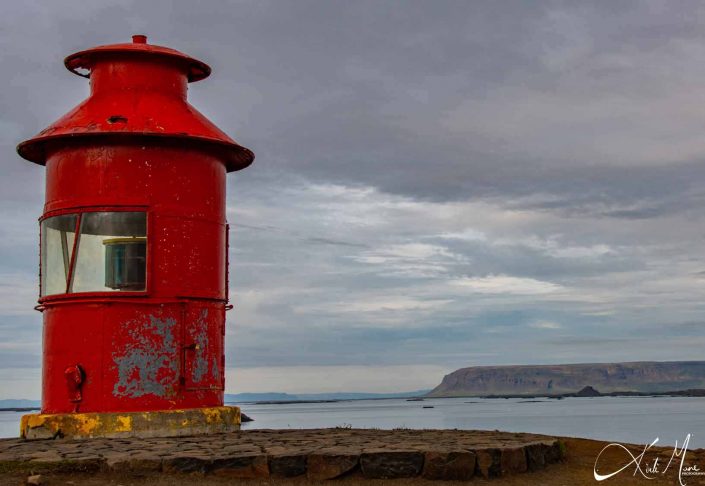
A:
437	184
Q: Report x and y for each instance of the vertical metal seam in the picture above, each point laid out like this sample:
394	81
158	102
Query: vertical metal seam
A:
74	253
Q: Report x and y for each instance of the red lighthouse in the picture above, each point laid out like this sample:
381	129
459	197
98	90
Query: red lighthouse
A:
134	252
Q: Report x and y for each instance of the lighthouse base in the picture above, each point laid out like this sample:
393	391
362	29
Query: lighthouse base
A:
160	423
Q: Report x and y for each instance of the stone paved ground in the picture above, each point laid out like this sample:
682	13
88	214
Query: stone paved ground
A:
315	454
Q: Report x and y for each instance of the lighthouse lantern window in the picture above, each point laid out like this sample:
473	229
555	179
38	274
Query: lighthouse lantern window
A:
110	253
58	235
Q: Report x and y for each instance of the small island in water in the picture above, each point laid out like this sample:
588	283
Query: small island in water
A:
635	378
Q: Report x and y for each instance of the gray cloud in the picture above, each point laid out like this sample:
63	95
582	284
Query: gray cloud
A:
444	185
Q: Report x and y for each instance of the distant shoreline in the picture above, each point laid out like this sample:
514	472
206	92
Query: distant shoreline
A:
332	400
679	393
581	394
698	392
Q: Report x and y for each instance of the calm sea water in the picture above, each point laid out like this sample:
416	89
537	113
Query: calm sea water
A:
618	419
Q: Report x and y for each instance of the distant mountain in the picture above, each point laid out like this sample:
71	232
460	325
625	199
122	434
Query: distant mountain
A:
305	397
643	376
19	403
259	397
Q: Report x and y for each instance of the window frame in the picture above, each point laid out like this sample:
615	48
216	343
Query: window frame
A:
79	212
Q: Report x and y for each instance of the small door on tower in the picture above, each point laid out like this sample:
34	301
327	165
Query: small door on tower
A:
203	346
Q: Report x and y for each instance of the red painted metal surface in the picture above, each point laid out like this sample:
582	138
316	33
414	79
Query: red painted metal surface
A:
74	382
134	238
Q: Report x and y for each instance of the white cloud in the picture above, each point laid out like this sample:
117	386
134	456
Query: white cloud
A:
466	234
412	259
545	325
375	304
507	285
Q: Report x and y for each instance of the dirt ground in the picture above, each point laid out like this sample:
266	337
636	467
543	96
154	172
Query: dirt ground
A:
576	470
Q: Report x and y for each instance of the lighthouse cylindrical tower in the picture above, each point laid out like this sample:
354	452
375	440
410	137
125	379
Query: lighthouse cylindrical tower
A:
134	257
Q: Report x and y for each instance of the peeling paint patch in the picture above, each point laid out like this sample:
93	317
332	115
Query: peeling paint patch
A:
202	368
200	363
215	370
148	364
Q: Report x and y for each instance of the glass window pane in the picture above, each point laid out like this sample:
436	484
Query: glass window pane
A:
112	252
58	234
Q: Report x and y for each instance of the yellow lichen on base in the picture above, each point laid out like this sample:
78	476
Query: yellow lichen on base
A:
160	423
124	423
